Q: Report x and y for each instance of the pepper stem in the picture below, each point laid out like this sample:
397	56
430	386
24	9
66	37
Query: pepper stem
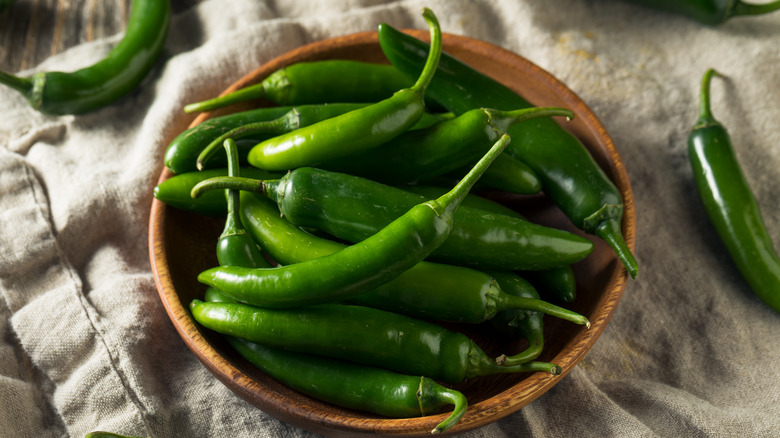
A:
252	92
434	53
231	223
742	8
503	120
229	182
535	346
705	114
481	365
276	126
22	85
460	402
505	301
449	202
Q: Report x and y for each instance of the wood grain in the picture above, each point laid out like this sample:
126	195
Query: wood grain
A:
33	30
181	245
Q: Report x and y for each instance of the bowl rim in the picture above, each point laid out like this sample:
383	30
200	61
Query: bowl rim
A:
478	414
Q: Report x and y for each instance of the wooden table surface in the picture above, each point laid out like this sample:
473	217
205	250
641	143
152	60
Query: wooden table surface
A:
33	30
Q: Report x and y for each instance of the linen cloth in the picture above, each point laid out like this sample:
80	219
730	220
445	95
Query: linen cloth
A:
86	345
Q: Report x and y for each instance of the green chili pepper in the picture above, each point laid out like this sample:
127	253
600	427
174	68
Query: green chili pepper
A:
730	204
355	131
175	191
359	267
362	335
473	200
525	324
349	385
235	246
296	118
354	208
427	290
317	82
444	147
710	12
184	151
569	174
558	283
353	386
90	88
508	174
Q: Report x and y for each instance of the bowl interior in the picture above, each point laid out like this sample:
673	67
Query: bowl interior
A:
182	245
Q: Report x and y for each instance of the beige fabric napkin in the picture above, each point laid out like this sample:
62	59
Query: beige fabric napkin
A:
85	343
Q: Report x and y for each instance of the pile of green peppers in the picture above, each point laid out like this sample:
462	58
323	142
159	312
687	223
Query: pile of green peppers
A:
352	231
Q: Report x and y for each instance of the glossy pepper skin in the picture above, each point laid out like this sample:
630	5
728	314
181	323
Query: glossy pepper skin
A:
569	174
120	72
362	335
327	81
182	153
508	174
431	291
354	208
444	147
235	246
288	244
349	385
356	131
355	386
185	152
175	191
710	12
299	117
731	205
558	283
358	268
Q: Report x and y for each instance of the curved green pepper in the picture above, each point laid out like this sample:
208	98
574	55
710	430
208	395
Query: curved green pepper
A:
731	205
368	389
185	152
299	117
317	82
362	335
121	71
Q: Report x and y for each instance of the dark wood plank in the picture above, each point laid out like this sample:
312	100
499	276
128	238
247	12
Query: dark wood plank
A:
33	30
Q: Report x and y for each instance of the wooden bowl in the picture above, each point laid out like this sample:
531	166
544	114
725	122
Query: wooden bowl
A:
182	244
